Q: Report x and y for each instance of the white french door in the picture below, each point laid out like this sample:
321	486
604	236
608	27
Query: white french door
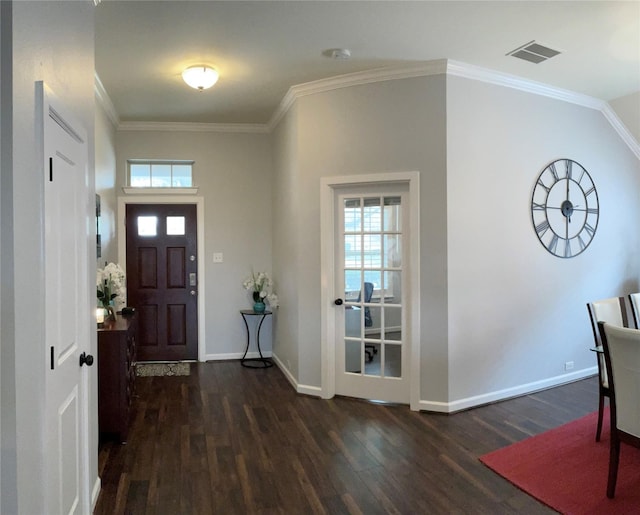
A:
372	345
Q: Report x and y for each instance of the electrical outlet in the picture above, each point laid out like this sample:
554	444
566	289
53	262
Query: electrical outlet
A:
218	257
568	365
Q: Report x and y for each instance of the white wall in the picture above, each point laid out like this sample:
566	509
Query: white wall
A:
234	174
105	184
392	126
286	249
52	42
500	315
8	465
517	313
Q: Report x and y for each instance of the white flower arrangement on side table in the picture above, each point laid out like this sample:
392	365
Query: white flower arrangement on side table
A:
260	285
111	287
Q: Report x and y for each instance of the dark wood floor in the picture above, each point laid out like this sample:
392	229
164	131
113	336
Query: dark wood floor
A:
229	440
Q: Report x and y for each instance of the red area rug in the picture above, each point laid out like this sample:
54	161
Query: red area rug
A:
566	469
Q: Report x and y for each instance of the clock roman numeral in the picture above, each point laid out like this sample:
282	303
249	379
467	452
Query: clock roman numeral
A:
542	227
592	210
590	191
569	168
567	248
540	183
553	244
554	172
581	243
538	207
590	230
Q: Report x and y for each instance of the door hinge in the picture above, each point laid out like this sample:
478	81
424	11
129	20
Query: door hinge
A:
51	169
52	358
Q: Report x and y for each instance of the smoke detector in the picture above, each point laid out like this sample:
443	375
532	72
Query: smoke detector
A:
337	53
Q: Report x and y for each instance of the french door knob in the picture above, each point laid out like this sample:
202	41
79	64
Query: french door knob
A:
338	302
86	359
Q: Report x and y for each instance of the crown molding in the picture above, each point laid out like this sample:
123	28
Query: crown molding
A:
251	128
468	71
621	129
423	69
104	100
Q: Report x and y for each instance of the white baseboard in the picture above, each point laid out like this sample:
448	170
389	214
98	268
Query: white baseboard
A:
314	391
426	405
95	492
507	393
235	355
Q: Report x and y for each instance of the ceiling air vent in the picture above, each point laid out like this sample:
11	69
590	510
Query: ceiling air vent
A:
534	52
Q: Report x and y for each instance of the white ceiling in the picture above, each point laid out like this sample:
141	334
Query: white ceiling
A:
263	48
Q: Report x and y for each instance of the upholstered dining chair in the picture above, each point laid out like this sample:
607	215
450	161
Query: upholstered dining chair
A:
612	311
622	358
634	301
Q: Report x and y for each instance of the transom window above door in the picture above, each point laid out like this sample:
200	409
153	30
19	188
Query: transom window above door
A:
159	174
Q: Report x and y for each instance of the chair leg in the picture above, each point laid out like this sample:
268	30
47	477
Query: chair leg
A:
600	415
614	459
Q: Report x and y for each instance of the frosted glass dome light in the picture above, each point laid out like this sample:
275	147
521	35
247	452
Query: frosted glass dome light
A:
200	77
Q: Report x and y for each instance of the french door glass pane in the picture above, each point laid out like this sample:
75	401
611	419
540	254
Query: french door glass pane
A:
392	361
352	215
393	287
352	284
392	323
372	250
352	250
392	214
373	277
372	215
392	251
352	356
374	318
372	361
353	322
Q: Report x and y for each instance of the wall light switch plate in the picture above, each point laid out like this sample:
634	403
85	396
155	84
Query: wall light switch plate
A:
218	257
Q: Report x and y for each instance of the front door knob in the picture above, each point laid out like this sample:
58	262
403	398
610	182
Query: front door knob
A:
86	359
338	302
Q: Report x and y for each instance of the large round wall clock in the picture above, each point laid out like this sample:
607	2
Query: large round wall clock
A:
564	208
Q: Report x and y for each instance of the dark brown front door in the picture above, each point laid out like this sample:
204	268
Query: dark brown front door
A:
162	281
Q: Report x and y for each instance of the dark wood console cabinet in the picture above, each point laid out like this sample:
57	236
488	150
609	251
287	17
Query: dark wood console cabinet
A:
116	375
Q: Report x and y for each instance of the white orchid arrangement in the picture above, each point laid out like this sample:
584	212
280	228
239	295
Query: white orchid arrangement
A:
111	284
260	284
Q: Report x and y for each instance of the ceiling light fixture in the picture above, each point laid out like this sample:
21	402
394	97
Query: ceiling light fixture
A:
200	77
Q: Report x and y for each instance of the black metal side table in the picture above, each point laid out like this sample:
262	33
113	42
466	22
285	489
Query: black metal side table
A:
260	362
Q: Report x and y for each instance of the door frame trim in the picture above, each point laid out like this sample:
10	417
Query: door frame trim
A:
171	199
328	188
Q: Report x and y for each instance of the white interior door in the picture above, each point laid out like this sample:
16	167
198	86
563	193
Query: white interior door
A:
67	309
372	343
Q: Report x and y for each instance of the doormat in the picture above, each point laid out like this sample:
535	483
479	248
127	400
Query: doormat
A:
162	369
